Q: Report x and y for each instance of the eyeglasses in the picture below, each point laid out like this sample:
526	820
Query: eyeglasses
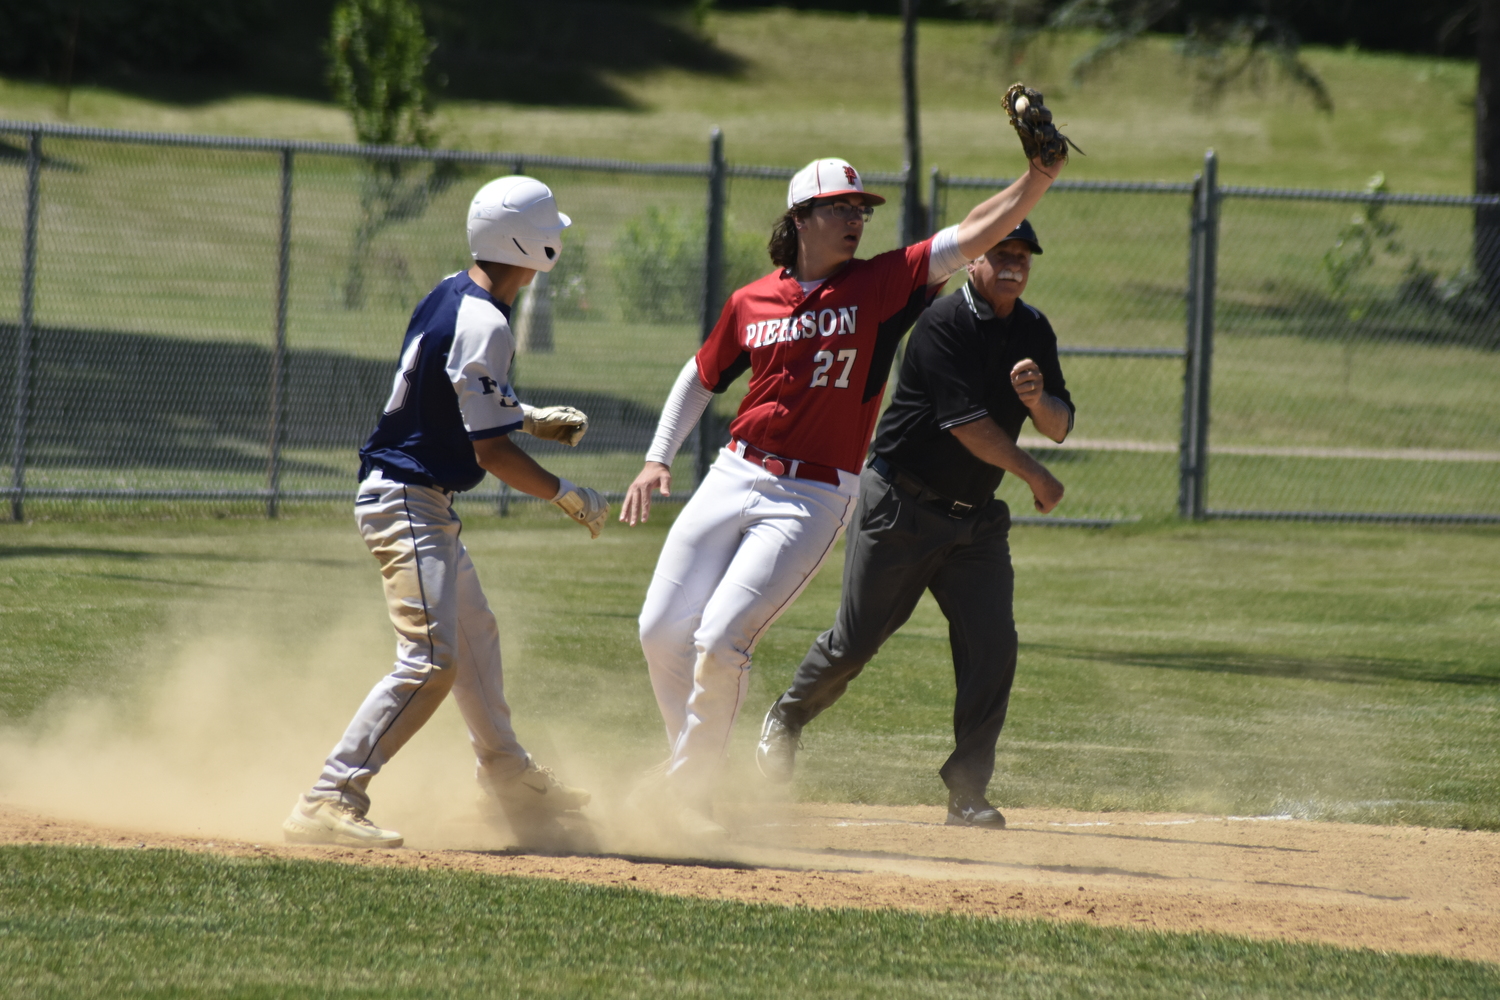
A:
845	212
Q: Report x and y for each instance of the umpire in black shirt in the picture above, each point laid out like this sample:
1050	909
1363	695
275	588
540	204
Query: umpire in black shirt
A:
978	364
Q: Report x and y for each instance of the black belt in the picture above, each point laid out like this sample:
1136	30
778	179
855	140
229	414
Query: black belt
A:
911	484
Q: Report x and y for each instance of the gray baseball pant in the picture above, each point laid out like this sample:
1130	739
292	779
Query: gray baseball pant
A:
446	640
897	548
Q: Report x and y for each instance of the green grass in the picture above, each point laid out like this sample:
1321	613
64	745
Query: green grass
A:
91	922
1337	672
1334	672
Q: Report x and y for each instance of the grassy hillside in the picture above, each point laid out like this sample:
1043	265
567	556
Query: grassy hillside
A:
820	83
179	245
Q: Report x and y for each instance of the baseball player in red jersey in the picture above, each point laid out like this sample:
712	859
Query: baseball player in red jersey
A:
818	336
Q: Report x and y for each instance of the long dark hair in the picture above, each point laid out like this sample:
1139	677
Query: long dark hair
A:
783	243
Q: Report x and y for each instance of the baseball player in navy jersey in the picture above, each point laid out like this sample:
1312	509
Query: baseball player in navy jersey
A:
447	422
818	336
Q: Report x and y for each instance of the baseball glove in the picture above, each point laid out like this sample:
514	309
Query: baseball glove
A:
554	423
1032	121
583	505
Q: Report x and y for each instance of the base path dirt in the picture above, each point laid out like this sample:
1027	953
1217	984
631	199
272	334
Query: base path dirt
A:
1400	889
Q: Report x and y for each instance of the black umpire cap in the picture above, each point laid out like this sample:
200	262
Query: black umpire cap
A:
1026	233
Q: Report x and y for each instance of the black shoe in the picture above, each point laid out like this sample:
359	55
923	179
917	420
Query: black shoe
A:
970	809
776	753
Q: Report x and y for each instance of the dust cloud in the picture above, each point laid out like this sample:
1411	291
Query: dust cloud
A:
217	736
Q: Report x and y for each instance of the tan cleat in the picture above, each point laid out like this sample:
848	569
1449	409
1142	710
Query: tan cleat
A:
697	825
661	807
323	821
535	791
540	810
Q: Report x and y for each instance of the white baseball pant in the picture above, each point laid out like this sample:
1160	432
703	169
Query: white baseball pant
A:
446	639
740	552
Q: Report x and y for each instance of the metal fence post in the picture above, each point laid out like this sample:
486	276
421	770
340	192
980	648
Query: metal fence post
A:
934	203
913	215
1202	266
713	285
278	353
25	335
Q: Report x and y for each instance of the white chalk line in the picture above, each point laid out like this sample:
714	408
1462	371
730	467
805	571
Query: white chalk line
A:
1281	817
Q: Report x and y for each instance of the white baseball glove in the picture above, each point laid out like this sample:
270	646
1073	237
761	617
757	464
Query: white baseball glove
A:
555	423
583	505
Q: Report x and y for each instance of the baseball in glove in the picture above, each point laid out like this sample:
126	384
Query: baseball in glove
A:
1032	121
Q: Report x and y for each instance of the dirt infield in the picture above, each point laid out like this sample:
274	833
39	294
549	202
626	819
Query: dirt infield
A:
1401	889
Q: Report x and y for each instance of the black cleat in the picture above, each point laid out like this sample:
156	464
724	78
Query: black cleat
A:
776	753
971	809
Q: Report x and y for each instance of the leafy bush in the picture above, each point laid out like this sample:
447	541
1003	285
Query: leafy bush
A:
568	282
658	265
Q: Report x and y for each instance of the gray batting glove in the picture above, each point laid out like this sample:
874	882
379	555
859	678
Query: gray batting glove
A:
583	505
555	423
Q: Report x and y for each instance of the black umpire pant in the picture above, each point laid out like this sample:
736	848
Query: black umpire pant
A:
897	548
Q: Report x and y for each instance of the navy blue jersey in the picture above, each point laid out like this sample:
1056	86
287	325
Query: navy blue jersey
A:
452	388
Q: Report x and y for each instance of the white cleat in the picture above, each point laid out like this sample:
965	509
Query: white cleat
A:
323	821
661	807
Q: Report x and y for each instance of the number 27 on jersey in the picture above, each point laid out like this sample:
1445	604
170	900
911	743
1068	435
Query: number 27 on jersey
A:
826	360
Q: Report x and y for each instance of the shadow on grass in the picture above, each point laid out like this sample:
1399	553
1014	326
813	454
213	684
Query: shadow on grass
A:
135	555
110	400
558	53
71	551
14	153
1336	669
666	861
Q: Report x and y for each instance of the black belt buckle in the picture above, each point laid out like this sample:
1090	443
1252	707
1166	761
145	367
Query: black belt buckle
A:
959	510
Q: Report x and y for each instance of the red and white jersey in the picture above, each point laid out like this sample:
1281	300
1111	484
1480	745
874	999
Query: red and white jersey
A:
818	361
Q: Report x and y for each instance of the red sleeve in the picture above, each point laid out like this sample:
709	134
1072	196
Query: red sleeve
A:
907	273
722	358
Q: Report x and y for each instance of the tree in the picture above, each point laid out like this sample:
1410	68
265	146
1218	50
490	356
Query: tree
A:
1225	46
378	53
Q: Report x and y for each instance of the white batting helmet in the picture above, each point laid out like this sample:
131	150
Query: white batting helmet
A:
514	220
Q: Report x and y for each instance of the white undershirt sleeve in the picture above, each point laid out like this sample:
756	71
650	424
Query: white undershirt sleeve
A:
685	404
945	257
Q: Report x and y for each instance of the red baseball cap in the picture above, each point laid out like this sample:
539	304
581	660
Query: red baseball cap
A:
827	179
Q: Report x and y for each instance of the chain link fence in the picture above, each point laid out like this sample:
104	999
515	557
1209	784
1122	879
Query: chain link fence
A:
1355	357
218	319
1340	360
1111	280
189	319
